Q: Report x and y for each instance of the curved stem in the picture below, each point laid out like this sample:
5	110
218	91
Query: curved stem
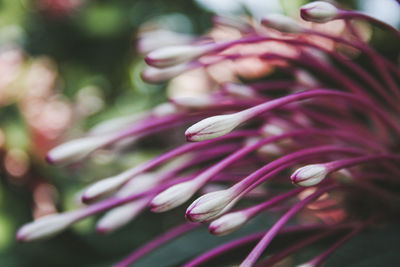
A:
157	242
273	231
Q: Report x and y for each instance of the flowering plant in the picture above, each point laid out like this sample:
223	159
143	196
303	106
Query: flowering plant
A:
303	103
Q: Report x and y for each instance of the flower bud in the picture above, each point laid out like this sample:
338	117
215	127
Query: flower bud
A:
281	23
104	187
319	11
139	184
174	196
164	109
309	175
155	75
115	124
46	227
152	40
199	101
120	216
209	205
173	55
213	127
228	223
76	150
239	90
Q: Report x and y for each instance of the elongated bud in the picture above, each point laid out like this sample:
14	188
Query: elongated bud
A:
319	11
76	150
46	227
281	23
120	216
232	22
228	223
309	175
115	124
164	109
209	205
152	40
173	55
155	75
213	127
104	187
173	196
193	102
239	90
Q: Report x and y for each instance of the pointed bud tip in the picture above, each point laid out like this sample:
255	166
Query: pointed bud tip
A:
309	175
319	11
209	205
49	159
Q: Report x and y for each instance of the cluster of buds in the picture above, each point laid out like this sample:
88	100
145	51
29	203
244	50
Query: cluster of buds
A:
327	118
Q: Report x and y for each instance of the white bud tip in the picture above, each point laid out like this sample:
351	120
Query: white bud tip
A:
173	196
193	102
45	227
228	223
173	55
120	216
319	11
213	127
309	175
281	23
209	205
155	75
75	150
102	188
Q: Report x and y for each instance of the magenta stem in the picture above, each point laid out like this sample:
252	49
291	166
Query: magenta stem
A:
302	244
184	149
340	164
157	242
254	179
273	231
346	14
211	254
276	103
319	260
252	211
210	172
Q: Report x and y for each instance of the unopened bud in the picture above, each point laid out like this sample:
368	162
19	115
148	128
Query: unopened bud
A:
120	216
152	40
213	127
193	102
46	227
319	11
76	150
155	75
115	124
104	187
228	223
309	175
174	196
173	55
209	205
281	23
239	90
